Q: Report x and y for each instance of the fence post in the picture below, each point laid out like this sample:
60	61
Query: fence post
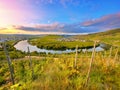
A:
116	55
30	63
76	55
108	61
110	52
90	66
9	63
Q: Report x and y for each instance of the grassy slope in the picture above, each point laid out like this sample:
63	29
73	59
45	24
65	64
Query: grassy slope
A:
58	73
110	37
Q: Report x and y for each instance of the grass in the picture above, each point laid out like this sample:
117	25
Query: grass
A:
111	37
53	42
57	72
14	54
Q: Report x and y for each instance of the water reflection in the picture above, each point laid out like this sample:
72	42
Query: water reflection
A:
22	45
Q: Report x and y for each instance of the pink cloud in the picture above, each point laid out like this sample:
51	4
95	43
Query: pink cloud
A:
110	20
41	27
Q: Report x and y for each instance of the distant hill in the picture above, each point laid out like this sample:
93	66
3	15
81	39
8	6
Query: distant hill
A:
110	37
109	32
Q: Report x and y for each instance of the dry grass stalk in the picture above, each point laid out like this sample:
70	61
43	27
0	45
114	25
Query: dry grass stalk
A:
110	55
116	55
30	63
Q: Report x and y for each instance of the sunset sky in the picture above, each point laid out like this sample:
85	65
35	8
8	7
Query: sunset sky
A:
58	16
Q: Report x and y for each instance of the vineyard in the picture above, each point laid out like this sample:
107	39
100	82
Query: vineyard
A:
67	71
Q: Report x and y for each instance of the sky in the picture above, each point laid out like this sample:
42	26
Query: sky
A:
58	16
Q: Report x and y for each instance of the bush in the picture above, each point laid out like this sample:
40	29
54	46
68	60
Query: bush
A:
2	80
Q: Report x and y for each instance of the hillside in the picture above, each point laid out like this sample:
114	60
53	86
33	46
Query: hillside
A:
66	71
111	37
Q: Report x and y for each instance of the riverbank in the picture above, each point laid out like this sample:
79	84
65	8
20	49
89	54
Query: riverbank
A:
23	46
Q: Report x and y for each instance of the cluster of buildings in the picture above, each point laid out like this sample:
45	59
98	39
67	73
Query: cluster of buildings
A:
70	40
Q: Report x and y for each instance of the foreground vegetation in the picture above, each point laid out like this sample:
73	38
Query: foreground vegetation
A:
14	54
57	72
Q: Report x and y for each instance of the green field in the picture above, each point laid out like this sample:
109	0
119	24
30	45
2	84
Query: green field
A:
55	42
111	37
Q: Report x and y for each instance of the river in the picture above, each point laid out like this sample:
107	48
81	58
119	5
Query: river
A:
23	46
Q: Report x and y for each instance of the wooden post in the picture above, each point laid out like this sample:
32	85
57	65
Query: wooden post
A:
108	61
30	62
9	63
105	54
76	55
110	52
86	53
90	66
116	55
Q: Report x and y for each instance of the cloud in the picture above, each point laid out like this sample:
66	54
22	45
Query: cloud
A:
106	22
64	3
44	1
1	28
54	27
42	27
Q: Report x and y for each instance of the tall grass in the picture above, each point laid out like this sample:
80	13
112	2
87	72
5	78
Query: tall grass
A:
57	72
